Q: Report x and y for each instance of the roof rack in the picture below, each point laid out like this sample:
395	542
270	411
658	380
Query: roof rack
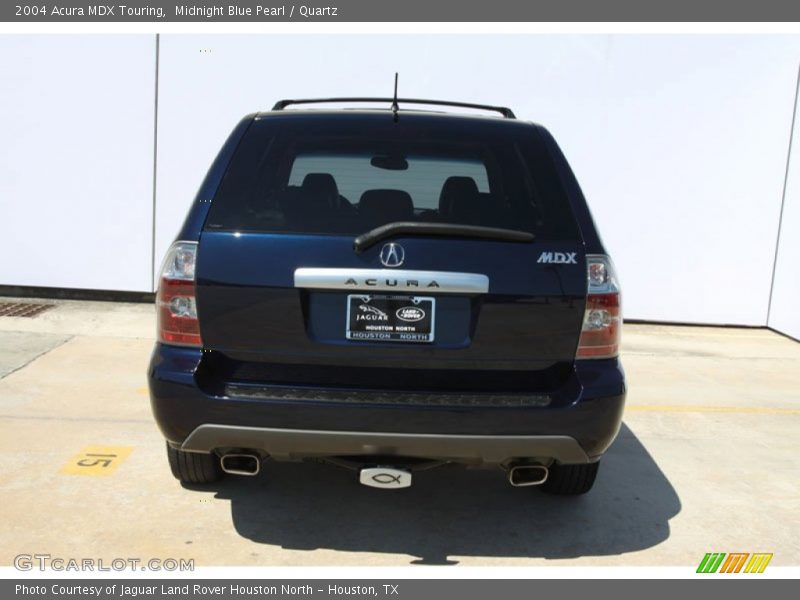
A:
506	112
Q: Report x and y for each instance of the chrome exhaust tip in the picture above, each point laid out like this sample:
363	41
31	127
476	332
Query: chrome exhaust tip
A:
240	464
526	475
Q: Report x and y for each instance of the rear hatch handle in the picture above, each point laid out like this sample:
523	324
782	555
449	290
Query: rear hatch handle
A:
372	237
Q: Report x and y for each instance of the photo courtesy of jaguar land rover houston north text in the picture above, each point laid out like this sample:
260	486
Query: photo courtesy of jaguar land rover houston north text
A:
388	289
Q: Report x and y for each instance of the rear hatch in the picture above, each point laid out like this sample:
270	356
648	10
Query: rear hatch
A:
477	280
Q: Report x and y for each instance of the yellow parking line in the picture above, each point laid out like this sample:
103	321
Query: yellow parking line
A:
760	410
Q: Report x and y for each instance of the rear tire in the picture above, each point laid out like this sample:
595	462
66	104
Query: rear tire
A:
570	480
191	467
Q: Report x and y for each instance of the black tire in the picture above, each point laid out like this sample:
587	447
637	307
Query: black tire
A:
570	480
191	467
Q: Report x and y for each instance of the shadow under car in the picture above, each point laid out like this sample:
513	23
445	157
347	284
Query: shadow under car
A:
452	511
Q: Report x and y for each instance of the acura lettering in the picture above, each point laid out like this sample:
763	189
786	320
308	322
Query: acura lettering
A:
408	283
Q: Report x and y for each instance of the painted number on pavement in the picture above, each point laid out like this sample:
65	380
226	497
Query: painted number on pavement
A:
97	460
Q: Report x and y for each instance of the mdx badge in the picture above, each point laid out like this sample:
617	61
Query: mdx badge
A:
392	255
558	258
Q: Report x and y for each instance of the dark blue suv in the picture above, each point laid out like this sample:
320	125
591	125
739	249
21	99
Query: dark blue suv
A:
389	290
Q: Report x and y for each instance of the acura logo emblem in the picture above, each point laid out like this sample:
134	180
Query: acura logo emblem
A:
392	255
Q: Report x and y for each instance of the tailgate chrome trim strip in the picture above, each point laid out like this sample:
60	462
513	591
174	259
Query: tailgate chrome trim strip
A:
390	280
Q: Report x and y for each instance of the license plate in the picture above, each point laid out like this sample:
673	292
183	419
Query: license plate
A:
390	318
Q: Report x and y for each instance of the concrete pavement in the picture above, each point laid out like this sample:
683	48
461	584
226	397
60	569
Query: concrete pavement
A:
706	461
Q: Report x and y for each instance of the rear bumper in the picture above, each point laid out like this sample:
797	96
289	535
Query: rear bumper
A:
294	444
574	424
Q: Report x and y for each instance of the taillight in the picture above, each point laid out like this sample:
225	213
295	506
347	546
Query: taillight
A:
175	301
602	320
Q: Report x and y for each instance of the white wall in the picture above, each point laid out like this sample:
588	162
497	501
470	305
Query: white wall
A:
679	141
689	199
785	309
76	161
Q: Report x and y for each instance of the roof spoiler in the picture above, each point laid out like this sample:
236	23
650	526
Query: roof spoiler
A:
506	112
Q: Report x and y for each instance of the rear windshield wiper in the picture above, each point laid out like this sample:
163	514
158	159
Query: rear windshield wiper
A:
365	240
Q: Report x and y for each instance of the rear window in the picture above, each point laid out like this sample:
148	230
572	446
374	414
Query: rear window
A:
423	180
346	176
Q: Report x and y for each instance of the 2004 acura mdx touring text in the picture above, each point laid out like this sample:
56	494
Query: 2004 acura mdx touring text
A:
388	290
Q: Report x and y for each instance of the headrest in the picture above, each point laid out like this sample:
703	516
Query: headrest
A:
386	206
455	189
323	186
299	205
